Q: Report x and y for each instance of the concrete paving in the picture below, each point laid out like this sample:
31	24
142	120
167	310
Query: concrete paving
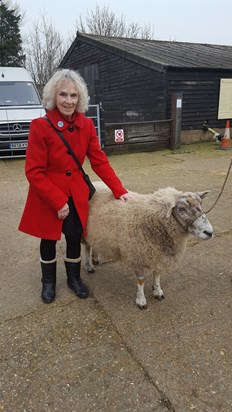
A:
103	354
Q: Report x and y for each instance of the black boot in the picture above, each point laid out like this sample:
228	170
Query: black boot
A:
73	268
48	280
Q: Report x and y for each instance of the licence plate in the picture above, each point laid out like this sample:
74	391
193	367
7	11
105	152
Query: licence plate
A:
21	145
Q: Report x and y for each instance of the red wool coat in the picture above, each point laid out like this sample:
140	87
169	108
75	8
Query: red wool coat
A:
53	174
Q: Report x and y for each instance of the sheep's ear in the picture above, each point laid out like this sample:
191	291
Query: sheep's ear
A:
202	195
169	206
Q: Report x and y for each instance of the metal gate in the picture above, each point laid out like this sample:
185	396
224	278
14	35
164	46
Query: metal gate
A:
94	114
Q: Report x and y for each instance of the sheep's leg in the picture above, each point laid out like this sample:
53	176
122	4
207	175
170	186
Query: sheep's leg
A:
141	300
88	258
157	291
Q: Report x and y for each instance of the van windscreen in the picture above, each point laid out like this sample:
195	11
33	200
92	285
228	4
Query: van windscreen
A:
18	94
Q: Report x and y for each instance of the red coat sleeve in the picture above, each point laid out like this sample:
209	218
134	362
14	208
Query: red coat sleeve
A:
101	166
36	167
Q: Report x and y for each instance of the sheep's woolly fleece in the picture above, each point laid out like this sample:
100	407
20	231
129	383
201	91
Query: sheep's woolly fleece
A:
140	232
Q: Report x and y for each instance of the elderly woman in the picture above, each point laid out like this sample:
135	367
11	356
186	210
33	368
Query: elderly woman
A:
57	200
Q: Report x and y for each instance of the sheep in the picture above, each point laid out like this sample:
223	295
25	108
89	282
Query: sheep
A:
148	232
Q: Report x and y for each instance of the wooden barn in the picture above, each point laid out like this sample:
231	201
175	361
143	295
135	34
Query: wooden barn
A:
136	81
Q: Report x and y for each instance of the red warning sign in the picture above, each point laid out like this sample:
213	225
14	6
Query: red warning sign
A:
119	135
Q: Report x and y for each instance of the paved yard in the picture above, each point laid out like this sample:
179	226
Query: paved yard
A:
104	354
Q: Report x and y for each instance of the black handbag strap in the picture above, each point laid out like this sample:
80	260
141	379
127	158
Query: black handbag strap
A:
70	151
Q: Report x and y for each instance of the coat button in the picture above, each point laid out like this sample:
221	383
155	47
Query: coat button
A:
68	173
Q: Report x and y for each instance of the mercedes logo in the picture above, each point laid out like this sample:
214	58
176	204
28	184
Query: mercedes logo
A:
17	127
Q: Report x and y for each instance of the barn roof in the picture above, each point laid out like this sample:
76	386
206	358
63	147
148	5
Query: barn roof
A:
160	55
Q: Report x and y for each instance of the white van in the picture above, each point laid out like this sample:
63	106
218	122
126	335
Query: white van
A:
19	104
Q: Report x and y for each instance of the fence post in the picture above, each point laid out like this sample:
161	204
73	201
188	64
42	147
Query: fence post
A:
176	114
102	125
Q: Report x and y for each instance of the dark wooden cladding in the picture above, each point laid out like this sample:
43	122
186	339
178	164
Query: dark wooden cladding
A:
134	80
139	147
200	89
129	92
144	136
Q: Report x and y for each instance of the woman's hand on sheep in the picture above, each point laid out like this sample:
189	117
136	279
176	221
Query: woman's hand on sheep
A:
126	196
63	213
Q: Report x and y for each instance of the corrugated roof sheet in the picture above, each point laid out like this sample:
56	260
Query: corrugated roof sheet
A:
169	53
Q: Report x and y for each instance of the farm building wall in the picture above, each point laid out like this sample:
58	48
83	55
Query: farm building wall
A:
200	90
127	91
130	92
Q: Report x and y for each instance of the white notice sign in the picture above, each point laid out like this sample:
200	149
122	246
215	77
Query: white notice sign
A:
119	135
179	103
225	99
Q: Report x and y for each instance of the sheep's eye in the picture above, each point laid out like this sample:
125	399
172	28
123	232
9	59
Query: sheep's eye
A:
181	209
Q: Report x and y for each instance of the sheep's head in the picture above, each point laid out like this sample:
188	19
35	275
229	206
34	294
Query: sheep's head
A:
189	214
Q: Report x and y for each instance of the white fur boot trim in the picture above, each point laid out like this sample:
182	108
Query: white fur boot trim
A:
72	260
48	261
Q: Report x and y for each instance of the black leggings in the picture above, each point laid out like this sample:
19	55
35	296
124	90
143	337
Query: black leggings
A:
73	248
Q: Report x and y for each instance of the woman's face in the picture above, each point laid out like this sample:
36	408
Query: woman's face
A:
67	99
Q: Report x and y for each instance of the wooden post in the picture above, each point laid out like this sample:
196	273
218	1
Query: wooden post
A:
176	115
102	126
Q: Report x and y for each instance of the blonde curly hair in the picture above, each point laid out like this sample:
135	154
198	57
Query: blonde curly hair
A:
50	89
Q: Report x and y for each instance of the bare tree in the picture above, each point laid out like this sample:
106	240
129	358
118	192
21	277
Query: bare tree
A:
146	32
44	50
104	22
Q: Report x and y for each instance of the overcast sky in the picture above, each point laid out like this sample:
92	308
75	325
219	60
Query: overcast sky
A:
200	21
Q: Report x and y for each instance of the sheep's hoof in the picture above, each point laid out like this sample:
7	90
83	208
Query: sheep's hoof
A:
158	293
142	306
141	303
90	268
158	297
